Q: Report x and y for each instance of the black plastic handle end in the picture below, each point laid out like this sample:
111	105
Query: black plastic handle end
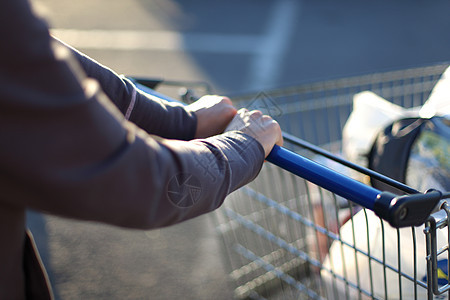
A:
408	210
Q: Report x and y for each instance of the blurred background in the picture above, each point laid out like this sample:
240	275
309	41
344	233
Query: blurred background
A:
237	47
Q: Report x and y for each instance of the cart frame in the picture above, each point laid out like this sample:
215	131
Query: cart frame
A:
277	241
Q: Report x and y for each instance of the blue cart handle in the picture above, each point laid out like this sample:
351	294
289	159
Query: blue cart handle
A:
399	211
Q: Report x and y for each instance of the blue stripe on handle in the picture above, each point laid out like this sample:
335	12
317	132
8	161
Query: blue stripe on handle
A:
337	183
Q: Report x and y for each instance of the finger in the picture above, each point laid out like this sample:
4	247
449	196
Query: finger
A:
226	109
256	114
226	100
280	140
242	113
273	127
230	111
267	118
238	122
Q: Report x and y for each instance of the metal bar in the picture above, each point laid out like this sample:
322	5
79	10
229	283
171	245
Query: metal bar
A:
430	230
339	184
307	223
282	243
399	264
253	266
277	272
358	279
299	142
369	253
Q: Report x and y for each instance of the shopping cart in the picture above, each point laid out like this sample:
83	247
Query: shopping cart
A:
294	234
305	231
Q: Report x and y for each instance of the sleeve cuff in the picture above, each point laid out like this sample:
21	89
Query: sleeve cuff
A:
162	118
245	157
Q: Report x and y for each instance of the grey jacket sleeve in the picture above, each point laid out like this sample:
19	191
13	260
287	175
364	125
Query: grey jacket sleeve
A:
67	150
154	115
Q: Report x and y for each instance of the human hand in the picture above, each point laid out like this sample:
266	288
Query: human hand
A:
261	127
213	113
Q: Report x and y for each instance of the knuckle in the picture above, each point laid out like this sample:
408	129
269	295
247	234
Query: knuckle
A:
275	126
256	113
267	118
229	111
226	100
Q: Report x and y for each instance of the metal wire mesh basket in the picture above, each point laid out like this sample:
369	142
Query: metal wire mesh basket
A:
287	238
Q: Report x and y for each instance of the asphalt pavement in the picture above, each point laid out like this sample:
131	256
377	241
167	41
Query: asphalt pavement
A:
237	47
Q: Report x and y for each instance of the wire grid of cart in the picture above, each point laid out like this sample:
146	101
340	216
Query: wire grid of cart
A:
286	238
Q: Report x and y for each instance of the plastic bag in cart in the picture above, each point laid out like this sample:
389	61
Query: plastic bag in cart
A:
402	143
371	114
372	236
